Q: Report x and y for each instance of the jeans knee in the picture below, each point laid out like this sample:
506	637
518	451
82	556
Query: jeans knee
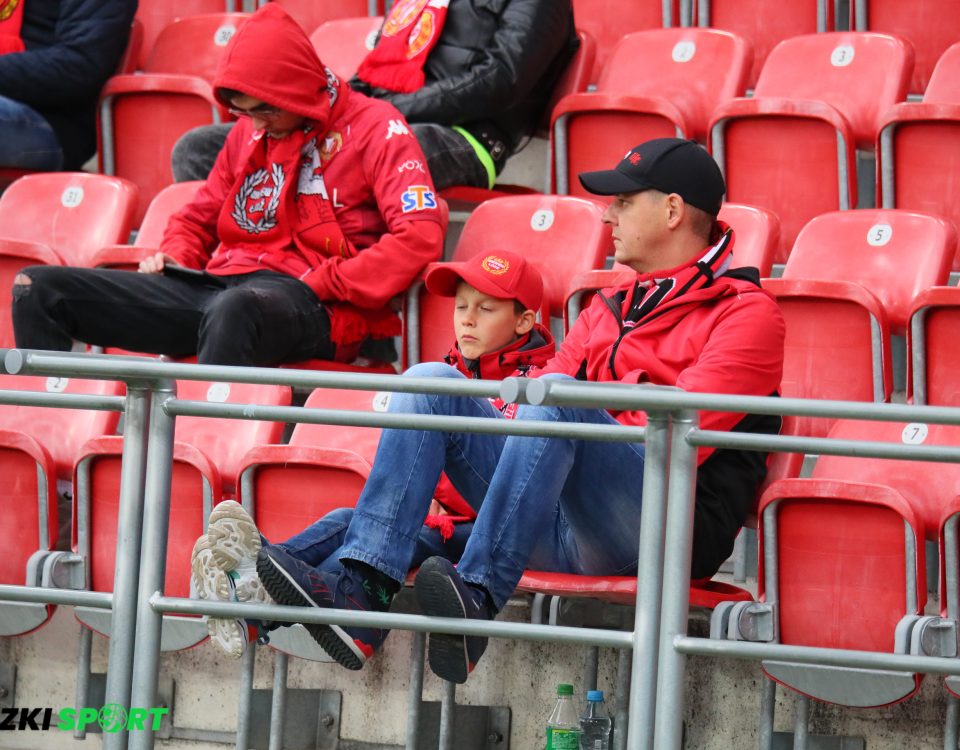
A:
433	370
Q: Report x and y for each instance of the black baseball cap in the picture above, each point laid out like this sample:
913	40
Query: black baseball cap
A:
670	165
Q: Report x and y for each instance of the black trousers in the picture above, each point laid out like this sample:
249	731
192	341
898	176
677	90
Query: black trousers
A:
258	319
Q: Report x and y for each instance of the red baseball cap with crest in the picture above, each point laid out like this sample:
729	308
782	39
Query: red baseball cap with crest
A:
498	273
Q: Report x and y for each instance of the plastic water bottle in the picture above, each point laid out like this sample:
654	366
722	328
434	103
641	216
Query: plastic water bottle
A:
595	723
563	726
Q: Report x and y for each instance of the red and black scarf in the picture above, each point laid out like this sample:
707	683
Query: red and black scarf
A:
409	32
11	19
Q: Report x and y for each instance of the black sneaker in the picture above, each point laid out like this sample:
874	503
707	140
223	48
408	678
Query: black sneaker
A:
292	582
442	593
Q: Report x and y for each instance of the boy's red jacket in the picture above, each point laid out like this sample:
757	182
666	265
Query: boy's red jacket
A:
345	204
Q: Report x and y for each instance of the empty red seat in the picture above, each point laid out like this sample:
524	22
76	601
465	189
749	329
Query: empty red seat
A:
312	13
342	43
141	116
687	74
765	24
894	254
154	16
918	149
930	25
837	344
932	351
608	20
206	458
792	147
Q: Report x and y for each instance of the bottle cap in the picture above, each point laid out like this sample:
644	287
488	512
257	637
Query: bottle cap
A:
594	695
564	689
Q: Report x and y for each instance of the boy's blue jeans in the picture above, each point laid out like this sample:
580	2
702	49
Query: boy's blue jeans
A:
556	504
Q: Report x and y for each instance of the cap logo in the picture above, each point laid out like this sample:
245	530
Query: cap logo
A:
634	158
495	265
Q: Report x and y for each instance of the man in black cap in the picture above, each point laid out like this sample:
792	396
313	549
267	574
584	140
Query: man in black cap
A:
687	319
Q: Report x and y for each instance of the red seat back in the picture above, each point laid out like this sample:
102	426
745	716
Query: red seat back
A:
764	24
606	21
62	432
930	25
893	253
757	235
933	354
342	43
155	15
72	213
310	14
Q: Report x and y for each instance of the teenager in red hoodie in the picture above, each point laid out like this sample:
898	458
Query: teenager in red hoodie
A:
497	296
310	223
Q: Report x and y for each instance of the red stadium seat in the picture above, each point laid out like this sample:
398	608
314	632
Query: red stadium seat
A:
757	235
918	149
62	432
342	43
792	148
165	203
894	254
563	235
765	24
310	14
932	350
839	572
687	74
608	20
155	15
206	458
930	25
141	116
59	218
837	344
29	525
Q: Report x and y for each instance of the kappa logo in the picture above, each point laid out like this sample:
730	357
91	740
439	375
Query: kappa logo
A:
396	127
418	198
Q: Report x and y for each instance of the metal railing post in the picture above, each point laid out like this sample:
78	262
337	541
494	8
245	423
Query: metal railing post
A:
675	604
415	694
643	682
126	572
153	559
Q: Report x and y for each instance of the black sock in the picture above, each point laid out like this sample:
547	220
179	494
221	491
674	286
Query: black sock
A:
380	587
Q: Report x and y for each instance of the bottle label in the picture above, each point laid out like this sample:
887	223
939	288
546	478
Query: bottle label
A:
563	739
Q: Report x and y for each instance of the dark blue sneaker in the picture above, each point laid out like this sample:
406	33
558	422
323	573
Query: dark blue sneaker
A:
292	582
442	593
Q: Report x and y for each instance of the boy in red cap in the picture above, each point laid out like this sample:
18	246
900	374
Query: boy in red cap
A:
497	296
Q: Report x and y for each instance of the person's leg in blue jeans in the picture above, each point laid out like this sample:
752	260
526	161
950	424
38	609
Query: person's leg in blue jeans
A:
26	139
557	504
381	540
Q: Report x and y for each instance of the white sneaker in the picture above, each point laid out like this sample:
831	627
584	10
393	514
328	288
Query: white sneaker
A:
234	544
208	581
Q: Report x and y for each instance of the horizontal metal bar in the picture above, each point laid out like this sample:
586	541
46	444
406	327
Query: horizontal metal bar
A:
139	368
622	396
494	628
433	422
833	657
62	400
36	594
823	446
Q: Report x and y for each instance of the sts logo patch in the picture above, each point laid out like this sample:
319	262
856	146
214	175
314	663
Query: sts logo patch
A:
418	198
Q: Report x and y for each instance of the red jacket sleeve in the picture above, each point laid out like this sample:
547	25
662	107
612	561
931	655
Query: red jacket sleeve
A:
571	354
191	234
411	211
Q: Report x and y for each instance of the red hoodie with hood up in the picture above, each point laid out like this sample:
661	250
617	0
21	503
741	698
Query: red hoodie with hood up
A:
345	203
